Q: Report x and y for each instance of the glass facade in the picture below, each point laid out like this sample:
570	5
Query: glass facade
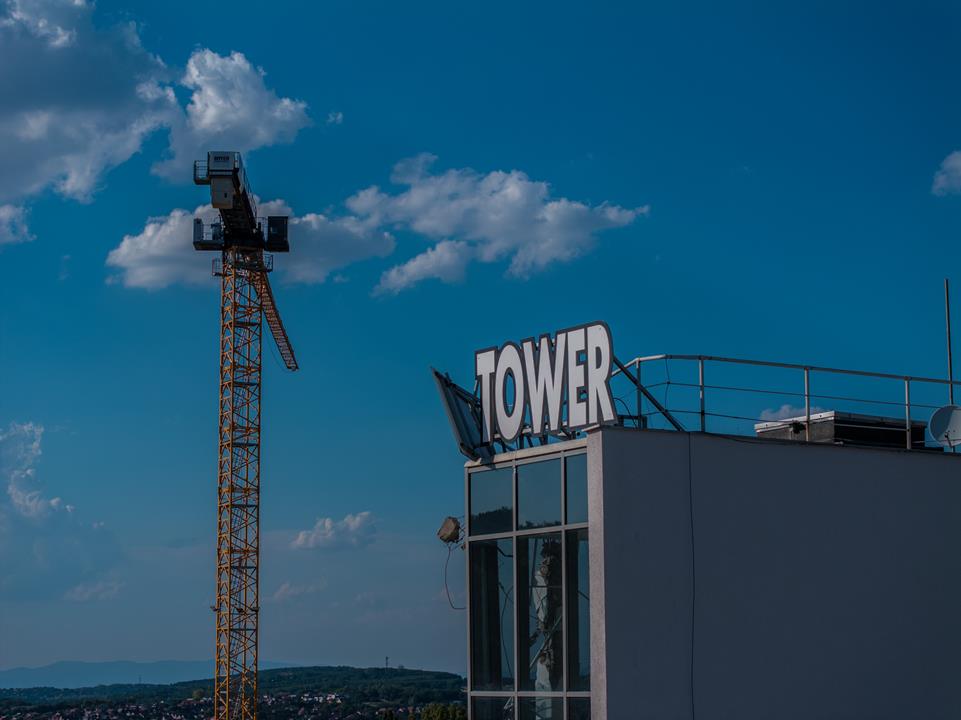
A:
575	481
540	586
492	618
539	495
492	502
579	709
529	649
541	708
578	611
492	708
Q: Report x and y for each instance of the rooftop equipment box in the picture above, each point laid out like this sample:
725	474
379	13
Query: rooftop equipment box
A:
841	428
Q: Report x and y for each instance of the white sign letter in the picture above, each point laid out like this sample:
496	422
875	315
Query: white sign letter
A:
576	408
509	361
599	353
545	381
484	361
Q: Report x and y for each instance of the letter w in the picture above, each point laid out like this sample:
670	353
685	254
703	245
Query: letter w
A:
545	381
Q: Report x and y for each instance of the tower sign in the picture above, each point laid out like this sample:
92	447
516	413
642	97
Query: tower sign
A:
556	384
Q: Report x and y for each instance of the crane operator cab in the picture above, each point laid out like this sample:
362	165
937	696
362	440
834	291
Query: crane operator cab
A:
239	226
222	167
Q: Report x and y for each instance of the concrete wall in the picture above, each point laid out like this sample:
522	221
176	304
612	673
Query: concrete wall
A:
742	579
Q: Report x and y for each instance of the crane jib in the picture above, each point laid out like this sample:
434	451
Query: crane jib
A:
262	283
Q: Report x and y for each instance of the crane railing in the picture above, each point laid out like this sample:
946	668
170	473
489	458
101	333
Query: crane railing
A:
264	264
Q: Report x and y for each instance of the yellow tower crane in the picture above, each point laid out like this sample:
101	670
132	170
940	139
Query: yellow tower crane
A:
246	299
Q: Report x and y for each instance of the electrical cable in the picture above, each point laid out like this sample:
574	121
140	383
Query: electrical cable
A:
450	550
627	410
507	600
275	356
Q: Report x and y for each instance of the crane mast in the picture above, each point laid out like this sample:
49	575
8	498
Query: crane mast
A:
246	299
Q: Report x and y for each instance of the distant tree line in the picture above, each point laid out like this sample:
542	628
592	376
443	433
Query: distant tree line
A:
360	687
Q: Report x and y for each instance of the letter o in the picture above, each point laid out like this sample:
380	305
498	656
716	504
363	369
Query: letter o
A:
509	361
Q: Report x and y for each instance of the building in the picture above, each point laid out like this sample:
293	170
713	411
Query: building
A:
632	571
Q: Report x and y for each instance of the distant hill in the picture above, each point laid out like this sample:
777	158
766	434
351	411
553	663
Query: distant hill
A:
88	674
360	685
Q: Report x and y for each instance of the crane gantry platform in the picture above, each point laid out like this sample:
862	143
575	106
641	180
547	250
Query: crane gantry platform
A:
246	299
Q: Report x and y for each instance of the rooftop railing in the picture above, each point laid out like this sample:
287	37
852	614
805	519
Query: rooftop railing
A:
732	396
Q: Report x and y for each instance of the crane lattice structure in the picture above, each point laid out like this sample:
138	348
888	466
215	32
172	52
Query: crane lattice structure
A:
245	300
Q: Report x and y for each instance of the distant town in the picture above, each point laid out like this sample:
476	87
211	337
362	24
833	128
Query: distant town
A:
308	707
304	693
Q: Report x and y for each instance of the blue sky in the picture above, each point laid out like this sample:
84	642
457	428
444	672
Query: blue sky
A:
774	182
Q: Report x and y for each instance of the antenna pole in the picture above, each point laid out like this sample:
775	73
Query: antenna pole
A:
947	319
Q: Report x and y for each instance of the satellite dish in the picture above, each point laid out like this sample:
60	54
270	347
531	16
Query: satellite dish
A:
945	425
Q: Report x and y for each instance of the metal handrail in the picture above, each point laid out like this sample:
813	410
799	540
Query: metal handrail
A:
643	393
790	366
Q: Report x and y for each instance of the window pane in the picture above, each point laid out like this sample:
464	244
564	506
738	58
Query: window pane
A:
492	614
493	709
492	501
578	612
539	494
576	488
579	709
541	623
541	709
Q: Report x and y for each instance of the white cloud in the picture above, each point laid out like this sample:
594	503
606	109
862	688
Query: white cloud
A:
786	411
88	100
948	178
100	590
291	591
90	96
13	225
355	530
162	253
335	117
19	452
470	216
321	244
230	108
43	19
44	547
494	216
64	273
445	261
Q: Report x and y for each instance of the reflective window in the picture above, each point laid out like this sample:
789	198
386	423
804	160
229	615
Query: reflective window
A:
539	571
492	614
540	708
579	709
488	708
492	501
539	494
576	488
578	612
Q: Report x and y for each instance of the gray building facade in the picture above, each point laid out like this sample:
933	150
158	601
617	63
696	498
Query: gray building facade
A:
638	574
